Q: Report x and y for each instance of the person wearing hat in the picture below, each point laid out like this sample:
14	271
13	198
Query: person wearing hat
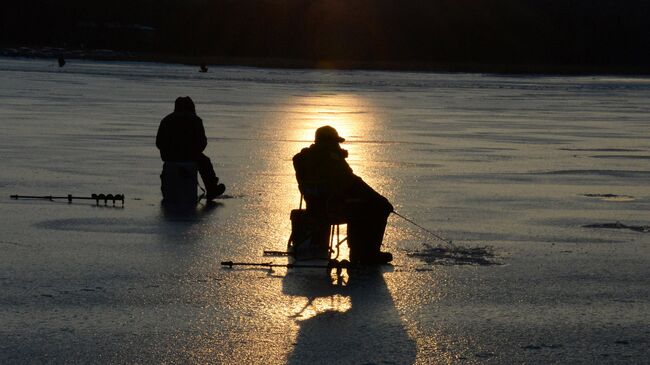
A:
181	137
331	188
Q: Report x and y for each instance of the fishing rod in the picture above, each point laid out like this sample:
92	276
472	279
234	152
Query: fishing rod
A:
331	264
443	239
96	197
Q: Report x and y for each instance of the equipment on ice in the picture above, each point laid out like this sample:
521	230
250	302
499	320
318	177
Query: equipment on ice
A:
96	197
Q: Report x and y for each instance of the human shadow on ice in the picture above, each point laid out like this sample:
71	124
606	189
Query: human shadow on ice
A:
365	331
172	221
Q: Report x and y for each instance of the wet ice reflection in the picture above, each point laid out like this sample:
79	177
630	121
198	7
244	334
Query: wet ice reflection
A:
351	321
316	306
478	157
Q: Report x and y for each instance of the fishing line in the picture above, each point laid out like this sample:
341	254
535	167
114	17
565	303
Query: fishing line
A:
447	241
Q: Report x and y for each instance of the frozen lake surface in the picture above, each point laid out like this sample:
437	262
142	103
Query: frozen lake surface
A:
520	164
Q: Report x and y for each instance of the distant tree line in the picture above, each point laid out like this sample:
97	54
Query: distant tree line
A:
601	32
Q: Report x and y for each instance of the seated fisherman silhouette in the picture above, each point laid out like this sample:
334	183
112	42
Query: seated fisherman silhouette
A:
330	187
181	138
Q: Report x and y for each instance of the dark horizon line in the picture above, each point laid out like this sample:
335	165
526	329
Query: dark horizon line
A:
53	52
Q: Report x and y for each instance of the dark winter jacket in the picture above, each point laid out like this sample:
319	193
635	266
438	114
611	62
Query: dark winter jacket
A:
326	180
181	137
324	165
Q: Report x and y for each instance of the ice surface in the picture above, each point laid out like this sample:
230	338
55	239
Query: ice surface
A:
519	164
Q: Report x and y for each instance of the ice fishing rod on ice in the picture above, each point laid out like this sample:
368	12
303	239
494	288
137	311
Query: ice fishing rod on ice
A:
96	197
331	264
443	239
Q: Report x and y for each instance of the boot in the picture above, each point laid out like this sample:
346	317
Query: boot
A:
380	258
369	258
214	191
